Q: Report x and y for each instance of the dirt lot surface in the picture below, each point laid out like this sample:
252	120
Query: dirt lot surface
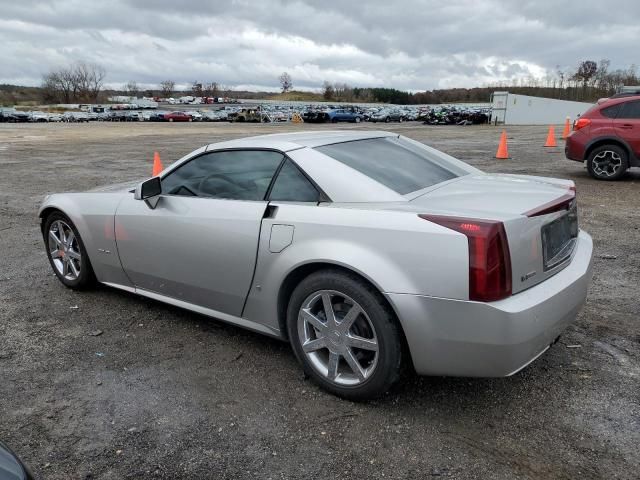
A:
164	393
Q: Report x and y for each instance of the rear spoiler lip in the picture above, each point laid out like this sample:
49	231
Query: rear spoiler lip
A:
557	205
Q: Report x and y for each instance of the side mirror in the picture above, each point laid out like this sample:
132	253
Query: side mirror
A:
149	191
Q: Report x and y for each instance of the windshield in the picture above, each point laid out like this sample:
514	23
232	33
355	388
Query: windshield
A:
394	162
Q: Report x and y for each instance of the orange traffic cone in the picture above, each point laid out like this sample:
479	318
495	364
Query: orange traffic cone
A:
551	138
503	152
157	164
567	129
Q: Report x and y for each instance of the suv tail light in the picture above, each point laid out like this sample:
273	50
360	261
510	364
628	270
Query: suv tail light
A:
489	257
581	123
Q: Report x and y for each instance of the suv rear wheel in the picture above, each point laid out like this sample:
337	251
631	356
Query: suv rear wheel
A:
607	162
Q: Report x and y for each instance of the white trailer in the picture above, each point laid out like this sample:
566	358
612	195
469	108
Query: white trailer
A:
512	109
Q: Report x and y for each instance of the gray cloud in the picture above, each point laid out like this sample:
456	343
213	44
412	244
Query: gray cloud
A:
410	44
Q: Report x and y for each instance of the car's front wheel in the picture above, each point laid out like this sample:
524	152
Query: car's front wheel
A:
344	335
607	162
66	252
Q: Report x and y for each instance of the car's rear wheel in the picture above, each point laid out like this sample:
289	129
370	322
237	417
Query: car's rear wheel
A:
357	119
344	335
607	162
66	252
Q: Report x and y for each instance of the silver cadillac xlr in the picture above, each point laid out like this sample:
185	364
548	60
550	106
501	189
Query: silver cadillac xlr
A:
367	251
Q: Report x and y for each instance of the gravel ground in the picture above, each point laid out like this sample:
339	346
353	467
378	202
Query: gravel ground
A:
164	393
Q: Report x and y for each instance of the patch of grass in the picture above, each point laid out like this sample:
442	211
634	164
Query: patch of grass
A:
297	96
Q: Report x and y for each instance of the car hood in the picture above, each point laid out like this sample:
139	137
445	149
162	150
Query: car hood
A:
116	187
489	194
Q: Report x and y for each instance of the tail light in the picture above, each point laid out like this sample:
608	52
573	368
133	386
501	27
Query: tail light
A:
489	257
581	123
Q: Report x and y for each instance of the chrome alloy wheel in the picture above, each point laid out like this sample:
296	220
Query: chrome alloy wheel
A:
337	337
64	250
606	163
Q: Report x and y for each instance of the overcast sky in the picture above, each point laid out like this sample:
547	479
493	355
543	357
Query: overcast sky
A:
411	44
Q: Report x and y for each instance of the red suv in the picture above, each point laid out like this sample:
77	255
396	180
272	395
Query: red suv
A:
607	136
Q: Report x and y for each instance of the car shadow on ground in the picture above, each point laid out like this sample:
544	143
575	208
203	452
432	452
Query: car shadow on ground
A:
411	390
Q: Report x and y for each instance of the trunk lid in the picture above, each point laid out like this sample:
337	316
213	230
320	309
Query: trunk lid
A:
539	216
500	196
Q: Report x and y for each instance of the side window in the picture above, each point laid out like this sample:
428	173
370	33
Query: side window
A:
611	112
292	186
234	175
630	110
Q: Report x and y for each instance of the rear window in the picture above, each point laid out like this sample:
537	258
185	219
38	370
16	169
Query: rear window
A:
391	161
612	111
630	110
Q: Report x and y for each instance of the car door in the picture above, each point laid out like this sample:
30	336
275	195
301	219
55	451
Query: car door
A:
199	243
293	196
627	125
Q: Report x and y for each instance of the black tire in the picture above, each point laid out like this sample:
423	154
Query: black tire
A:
608	162
387	120
86	278
386	329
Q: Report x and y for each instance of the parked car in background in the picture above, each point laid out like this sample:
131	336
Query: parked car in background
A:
366	250
178	116
195	115
344	115
76	117
214	115
117	116
607	137
158	116
133	117
245	115
55	117
11	115
387	115
37	116
315	115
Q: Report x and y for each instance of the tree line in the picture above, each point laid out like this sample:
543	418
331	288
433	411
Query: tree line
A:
84	82
588	82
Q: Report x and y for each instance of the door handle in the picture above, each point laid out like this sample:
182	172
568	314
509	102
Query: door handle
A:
626	126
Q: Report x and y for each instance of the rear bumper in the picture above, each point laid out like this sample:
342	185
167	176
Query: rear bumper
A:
574	147
497	339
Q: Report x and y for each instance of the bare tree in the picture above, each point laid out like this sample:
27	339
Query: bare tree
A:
211	89
78	82
196	89
285	82
132	88
166	87
327	91
226	90
587	69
